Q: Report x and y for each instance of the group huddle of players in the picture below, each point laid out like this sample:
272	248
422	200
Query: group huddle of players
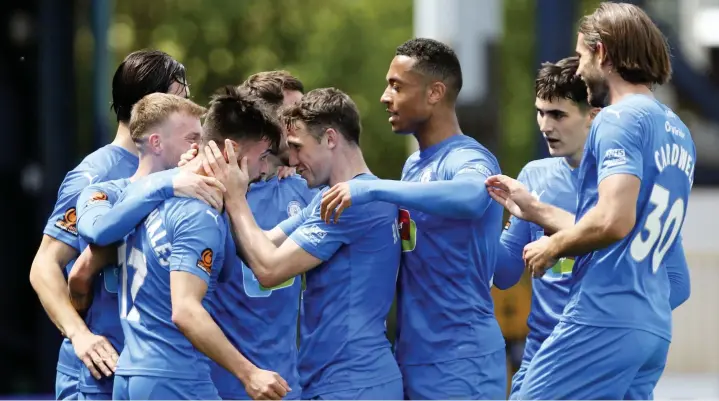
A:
186	282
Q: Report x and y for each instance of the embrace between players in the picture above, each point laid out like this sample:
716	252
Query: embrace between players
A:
188	278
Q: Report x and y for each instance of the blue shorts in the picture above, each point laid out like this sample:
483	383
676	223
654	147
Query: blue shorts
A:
386	391
581	362
479	378
94	396
518	379
65	387
160	388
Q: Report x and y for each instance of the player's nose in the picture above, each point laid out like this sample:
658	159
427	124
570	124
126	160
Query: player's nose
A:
385	98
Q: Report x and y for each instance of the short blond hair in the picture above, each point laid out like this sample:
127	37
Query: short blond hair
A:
155	108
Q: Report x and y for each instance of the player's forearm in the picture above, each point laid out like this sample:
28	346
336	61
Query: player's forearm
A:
87	267
457	199
49	283
595	230
552	219
128	213
509	268
254	246
204	334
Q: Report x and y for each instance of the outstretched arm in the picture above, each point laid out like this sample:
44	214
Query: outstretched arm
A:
461	194
141	197
516	198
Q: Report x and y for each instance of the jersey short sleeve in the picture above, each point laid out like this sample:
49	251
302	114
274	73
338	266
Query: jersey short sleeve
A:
62	224
322	240
93	202
617	148
197	238
517	232
470	163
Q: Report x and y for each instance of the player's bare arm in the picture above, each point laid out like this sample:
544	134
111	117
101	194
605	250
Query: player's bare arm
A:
84	271
49	283
47	280
609	221
518	201
190	317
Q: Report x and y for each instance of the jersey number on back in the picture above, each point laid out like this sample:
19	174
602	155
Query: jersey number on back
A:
657	228
139	265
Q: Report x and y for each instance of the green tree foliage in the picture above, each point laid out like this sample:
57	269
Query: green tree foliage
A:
347	44
517	90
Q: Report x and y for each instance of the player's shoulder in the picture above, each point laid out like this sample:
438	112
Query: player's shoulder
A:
633	110
104	160
294	183
541	172
180	211
466	146
542	165
114	186
376	208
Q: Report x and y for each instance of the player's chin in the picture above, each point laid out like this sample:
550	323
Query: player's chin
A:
401	130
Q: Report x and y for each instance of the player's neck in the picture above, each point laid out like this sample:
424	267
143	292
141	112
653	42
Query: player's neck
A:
439	127
619	89
574	160
148	164
124	140
349	164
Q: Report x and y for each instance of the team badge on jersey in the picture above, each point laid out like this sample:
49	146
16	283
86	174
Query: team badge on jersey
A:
68	222
293	208
205	261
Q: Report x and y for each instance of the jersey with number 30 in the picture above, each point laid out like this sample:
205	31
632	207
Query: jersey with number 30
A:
181	234
626	284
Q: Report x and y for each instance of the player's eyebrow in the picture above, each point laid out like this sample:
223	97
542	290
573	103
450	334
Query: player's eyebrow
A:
552	111
394	80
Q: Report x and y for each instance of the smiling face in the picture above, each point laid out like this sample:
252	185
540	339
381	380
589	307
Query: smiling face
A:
591	72
406	96
311	158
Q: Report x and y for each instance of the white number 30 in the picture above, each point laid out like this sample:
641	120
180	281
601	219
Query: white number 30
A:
658	229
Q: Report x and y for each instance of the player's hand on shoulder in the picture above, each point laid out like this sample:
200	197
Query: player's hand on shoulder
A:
187	184
285	171
266	385
96	353
335	201
343	195
189	155
513	195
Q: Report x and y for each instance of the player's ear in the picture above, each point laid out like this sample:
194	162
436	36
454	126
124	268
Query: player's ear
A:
332	136
592	114
235	147
436	92
601	54
154	143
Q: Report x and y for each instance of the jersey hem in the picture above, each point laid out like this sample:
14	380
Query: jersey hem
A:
168	374
320	390
618	325
75	374
476	354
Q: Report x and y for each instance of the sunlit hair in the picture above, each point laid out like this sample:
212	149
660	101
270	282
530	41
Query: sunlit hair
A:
154	109
560	81
324	108
635	46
